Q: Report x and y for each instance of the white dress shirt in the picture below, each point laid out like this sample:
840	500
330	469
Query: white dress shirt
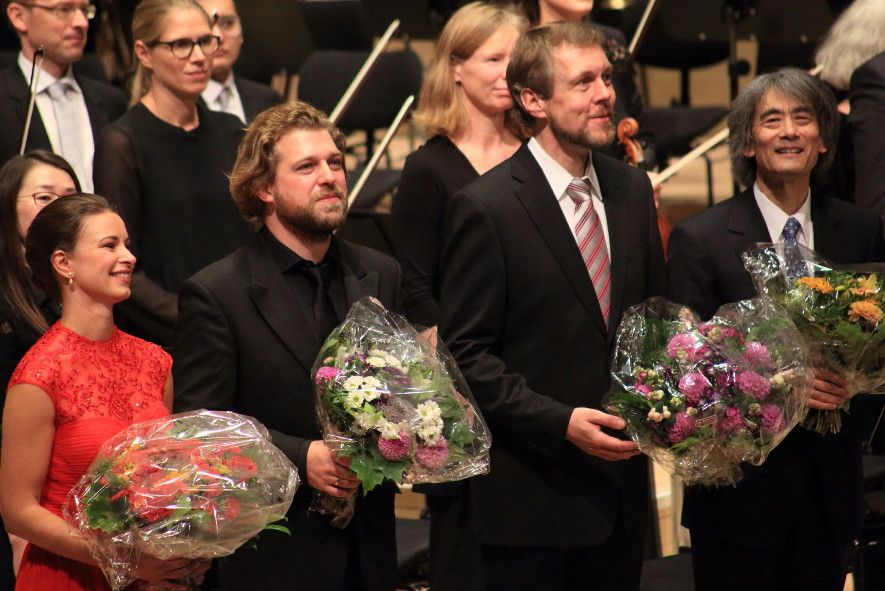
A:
775	219
213	95
47	115
559	179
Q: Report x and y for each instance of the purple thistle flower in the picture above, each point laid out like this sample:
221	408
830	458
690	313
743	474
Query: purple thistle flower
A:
681	428
772	419
753	384
693	387
394	450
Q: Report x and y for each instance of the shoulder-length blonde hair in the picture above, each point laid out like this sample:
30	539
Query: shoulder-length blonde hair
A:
440	110
856	37
147	26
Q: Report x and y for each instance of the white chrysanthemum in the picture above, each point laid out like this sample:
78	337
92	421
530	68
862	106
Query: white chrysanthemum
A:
366	421
377	353
353	383
428	410
355	399
370	395
387	429
393	361
372	383
376	361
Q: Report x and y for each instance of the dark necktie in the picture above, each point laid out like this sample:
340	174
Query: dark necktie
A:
324	316
793	257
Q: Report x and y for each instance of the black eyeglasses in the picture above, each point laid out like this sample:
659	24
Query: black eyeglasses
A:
183	48
65	11
43	198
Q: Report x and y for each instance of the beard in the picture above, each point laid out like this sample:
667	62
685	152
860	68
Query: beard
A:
311	224
584	138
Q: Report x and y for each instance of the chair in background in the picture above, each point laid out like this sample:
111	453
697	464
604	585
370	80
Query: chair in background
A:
673	42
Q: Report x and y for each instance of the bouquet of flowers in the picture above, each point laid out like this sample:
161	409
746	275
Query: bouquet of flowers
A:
702	397
838	311
395	405
192	485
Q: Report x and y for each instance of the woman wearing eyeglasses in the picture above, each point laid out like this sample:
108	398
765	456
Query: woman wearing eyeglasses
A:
164	163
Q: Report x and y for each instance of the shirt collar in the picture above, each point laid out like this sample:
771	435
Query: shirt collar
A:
46	79
775	218
557	176
213	89
286	259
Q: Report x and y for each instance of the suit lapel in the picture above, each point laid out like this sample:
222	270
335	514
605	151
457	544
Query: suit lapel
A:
745	221
245	99
18	93
827	231
357	282
279	306
533	192
619	233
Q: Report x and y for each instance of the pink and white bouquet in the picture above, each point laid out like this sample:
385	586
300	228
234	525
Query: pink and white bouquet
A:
702	397
192	485
395	405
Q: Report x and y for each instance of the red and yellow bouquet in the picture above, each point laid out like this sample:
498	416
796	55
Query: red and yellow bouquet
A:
192	485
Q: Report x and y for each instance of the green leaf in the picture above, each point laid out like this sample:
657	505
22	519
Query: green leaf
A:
279	528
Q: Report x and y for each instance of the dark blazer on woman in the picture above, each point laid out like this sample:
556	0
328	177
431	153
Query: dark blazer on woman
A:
244	342
705	272
865	123
520	315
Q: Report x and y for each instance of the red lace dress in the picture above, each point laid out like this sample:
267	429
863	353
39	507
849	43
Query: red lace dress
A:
97	389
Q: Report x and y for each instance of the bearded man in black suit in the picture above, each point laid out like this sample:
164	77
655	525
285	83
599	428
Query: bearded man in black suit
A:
789	522
70	110
543	253
250	327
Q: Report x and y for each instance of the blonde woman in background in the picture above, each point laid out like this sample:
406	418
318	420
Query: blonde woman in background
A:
467	111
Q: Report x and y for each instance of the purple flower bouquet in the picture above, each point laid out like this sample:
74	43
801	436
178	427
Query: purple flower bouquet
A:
702	397
395	405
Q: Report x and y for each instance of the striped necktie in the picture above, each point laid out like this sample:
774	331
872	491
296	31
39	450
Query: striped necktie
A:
591	242
795	262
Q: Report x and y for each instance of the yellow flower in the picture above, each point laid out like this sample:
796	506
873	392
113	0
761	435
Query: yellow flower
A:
866	286
866	309
818	284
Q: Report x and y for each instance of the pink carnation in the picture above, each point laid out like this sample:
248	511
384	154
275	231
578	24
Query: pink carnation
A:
326	374
682	427
393	450
683	347
753	384
642	389
758	354
772	419
693	386
434	456
730	421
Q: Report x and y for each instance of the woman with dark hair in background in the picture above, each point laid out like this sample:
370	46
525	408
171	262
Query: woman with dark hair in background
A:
81	383
165	163
467	111
27	184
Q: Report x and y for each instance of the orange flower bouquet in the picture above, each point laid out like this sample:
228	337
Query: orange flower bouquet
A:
839	312
192	485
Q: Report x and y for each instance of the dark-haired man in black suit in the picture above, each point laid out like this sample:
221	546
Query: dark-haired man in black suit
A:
70	111
789	522
226	91
250	327
543	254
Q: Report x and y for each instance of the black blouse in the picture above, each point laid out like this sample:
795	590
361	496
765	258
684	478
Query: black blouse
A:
172	189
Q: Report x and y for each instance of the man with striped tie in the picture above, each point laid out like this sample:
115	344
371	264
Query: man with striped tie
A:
543	254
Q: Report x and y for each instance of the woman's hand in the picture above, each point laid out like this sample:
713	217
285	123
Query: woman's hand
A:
179	574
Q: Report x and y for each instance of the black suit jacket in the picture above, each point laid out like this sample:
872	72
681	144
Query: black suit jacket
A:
244	342
705	272
103	102
255	97
520	315
865	124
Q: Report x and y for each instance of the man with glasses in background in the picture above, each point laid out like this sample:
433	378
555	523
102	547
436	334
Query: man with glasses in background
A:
70	110
227	92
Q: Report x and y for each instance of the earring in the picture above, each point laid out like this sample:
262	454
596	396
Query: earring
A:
70	279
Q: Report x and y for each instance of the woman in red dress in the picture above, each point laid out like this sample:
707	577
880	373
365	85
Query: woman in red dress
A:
81	383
